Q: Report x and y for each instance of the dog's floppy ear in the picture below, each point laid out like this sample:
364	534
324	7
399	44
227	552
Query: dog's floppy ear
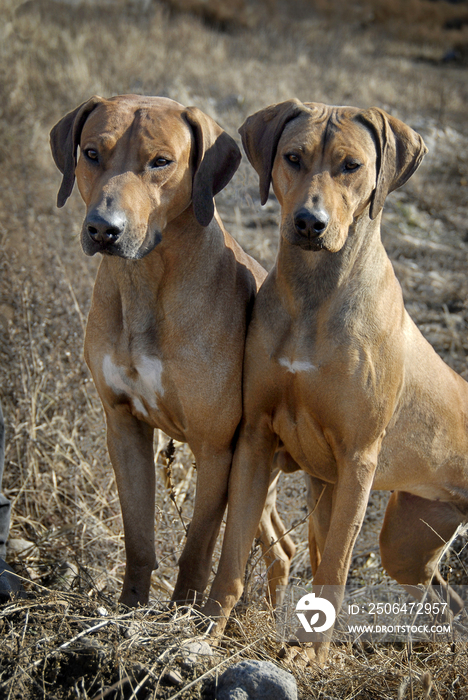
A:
261	133
217	158
400	151
64	141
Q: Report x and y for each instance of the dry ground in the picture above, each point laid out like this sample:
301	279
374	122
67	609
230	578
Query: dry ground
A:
66	533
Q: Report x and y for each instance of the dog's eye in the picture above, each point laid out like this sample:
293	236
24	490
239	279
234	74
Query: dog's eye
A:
91	154
159	162
351	165
292	158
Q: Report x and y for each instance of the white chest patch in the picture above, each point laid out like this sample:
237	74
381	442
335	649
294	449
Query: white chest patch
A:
143	388
297	365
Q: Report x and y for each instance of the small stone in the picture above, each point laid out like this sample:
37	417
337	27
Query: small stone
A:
256	680
195	652
22	547
173	677
133	630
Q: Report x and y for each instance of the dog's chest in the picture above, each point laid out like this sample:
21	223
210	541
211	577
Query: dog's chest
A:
292	350
140	382
294	365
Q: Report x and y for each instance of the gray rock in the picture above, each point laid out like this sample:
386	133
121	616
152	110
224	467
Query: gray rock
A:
256	680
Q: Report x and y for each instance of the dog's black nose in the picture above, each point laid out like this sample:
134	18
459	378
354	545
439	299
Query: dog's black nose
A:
105	230
311	224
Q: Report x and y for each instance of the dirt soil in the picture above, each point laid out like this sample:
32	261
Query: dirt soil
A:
69	638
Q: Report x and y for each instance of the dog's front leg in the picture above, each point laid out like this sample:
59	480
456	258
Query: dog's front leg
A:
130	444
210	503
349	503
248	487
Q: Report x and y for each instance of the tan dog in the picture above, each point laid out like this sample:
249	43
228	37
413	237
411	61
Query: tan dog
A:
166	330
336	372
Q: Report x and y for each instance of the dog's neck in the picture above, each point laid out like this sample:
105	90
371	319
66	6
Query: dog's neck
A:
315	276
182	252
157	286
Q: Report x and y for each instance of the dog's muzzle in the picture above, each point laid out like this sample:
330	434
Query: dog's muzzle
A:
113	234
105	231
308	227
311	224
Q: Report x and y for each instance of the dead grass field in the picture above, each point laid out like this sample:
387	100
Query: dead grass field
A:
66	536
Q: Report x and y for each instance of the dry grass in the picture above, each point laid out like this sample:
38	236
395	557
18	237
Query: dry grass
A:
75	646
52	56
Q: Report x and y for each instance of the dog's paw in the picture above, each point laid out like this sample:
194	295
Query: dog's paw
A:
299	654
208	627
294	656
213	619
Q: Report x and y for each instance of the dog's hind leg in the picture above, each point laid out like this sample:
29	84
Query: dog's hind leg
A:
319	502
414	534
277	546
